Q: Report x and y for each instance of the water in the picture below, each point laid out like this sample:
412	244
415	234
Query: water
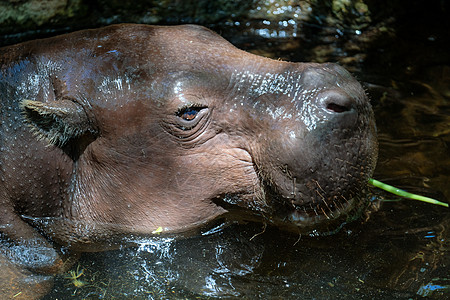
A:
400	252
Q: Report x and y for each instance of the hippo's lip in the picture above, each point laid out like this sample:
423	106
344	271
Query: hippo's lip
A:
312	202
303	216
321	216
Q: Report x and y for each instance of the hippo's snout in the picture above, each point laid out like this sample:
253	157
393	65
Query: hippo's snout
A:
325	155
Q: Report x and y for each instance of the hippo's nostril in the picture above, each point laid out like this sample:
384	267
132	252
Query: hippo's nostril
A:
336	101
334	107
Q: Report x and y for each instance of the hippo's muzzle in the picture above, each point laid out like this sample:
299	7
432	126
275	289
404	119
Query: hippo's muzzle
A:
324	152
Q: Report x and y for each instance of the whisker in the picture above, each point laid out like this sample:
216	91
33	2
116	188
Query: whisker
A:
324	213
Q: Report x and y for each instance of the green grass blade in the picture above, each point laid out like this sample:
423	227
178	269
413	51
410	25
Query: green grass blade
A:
401	193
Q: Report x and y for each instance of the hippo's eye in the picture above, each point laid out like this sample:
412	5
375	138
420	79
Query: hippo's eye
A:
189	113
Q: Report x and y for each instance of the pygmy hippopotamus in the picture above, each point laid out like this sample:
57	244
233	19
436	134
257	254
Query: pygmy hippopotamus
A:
137	129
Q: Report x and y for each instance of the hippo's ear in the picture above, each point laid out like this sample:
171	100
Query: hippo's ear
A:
56	121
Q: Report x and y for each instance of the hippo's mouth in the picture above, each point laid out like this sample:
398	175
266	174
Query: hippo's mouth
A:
322	217
310	208
322	213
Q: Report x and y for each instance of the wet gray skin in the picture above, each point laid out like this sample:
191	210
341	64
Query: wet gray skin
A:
123	130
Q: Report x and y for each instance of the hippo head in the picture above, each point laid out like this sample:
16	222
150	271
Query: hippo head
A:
171	127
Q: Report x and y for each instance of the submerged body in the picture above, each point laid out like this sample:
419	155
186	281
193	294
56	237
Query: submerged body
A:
132	129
